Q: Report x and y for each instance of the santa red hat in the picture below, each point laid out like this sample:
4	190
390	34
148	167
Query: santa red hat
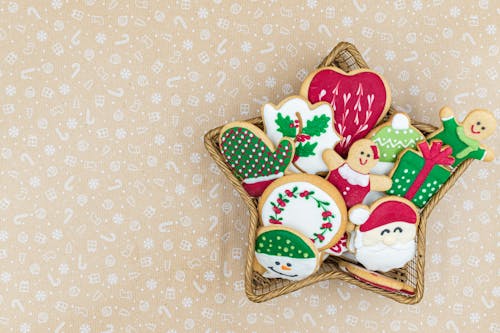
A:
385	213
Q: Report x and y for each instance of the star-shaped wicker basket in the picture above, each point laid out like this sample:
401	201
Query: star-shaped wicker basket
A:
259	289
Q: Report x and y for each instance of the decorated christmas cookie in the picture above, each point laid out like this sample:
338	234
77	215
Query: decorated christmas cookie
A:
418	175
284	253
465	138
252	156
375	279
311	126
360	99
384	237
391	138
352	176
308	204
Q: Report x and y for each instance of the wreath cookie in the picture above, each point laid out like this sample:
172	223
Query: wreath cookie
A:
281	252
311	126
252	156
308	204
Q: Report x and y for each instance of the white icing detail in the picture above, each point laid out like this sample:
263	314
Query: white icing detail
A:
300	268
400	121
358	215
390	143
262	178
382	168
303	214
311	164
372	196
353	177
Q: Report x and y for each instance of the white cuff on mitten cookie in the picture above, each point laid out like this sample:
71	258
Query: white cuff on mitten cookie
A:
359	214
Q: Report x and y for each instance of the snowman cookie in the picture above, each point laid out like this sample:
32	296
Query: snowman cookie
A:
311	126
385	232
308	204
282	252
392	138
464	138
252	156
352	176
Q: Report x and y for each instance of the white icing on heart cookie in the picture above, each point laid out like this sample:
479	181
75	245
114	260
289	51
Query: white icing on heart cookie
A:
311	126
308	204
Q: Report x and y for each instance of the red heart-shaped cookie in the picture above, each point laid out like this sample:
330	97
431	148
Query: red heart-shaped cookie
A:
360	99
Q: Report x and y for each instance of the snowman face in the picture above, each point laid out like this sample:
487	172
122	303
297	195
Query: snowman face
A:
479	124
286	267
390	234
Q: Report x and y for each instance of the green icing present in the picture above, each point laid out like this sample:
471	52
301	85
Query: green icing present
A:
283	243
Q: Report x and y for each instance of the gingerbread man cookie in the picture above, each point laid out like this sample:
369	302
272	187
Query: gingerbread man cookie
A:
352	176
311	126
464	138
384	236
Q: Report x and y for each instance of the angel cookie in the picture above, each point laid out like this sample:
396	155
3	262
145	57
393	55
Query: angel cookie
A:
311	126
360	98
252	156
384	237
464	138
281	252
352	176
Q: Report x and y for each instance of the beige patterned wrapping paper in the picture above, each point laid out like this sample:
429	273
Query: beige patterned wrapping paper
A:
113	218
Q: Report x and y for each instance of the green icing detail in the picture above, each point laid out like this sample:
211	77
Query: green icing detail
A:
316	126
462	148
250	157
391	142
407	170
300	249
286	126
305	149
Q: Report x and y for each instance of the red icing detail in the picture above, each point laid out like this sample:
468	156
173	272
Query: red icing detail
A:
433	155
375	152
352	196
358	100
388	212
472	130
256	189
363	162
381	286
341	246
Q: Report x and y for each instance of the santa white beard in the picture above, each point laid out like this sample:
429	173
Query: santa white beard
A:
383	258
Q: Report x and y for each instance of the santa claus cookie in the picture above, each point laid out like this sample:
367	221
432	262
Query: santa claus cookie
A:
252	156
352	176
384	236
308	204
311	126
360	99
392	138
282	252
464	138
376	279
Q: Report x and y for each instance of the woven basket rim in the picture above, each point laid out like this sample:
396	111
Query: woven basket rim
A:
336	57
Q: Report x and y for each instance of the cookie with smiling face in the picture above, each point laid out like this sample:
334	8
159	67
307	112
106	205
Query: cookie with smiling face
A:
352	176
281	252
464	138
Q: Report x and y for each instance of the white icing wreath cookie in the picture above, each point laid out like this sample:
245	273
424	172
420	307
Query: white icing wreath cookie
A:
308	204
311	126
284	253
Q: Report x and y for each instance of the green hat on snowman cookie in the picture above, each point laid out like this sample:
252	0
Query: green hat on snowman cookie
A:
392	138
285	253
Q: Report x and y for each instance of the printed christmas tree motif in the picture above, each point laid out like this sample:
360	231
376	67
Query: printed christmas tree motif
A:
417	177
252	157
311	126
360	99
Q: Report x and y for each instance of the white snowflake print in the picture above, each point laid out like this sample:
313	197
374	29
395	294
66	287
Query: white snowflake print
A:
25	328
41	36
455	12
202	13
474	317
125	73
489	257
121	133
64	89
331	309
57	234
468	205
202	242
210	97
63	269
10	90
347	21
414	90
34	181
85	328
93	183
4	235
149	243
187	302
56	4
13	132
476	61
436	258
49	150
156	98
118	219
491	29
390	55
71	123
195	158
187	44
180	189
41	296
417	5
246	46
270	82
151	284
112	279
439	299
100	38
159	139
5	277
209	276
312	4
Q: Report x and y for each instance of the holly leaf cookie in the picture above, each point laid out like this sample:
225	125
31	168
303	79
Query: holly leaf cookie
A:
252	156
360	99
284	253
308	204
311	126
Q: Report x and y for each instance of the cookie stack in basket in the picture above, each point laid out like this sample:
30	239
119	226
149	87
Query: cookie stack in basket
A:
332	180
